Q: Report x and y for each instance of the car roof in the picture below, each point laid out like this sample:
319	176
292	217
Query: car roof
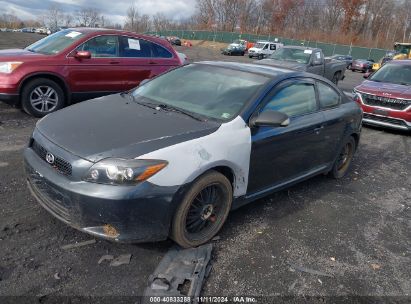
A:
251	68
400	62
93	30
300	47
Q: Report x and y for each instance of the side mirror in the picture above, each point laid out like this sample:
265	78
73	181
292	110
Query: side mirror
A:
82	55
316	62
270	119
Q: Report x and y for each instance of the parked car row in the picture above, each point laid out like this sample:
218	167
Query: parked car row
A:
41	30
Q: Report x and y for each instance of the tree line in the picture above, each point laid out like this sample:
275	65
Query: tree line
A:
370	23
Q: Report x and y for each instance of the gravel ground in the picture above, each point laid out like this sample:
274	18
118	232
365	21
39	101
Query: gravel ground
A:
354	232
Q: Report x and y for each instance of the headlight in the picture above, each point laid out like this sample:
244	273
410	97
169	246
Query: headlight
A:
114	171
8	67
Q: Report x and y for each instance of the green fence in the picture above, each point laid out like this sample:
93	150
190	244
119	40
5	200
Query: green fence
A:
329	49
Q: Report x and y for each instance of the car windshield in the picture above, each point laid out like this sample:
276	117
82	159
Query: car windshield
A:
296	55
210	91
393	73
55	43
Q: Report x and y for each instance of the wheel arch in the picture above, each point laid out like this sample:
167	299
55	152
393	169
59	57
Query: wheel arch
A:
51	76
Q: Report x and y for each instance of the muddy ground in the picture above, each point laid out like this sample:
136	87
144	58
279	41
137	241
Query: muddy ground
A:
356	232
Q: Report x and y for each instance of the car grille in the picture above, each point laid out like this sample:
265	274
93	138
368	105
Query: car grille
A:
386	102
59	164
49	197
390	120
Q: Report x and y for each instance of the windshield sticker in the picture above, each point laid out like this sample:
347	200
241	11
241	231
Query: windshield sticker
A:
134	44
73	34
318	55
308	51
225	115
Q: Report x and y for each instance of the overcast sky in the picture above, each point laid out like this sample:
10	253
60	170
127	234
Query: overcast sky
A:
115	10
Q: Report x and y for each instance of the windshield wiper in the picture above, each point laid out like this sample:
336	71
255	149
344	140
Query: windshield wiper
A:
178	110
146	104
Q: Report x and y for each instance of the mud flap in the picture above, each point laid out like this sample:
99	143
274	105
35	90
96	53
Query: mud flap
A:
180	274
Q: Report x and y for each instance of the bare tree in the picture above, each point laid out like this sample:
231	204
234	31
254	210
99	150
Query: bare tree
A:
88	17
54	16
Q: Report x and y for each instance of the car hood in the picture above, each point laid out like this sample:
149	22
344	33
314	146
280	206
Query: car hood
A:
284	64
385	89
116	126
17	54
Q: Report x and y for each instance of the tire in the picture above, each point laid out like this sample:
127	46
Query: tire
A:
260	57
344	159
242	54
336	78
250	57
42	96
196	220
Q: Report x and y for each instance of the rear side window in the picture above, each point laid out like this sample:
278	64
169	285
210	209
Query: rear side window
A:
101	46
272	47
327	95
294	100
160	52
134	48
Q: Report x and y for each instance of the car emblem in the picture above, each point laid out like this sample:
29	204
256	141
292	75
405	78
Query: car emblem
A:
50	158
386	94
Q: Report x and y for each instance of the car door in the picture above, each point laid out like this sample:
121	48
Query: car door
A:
316	63
281	154
334	122
99	74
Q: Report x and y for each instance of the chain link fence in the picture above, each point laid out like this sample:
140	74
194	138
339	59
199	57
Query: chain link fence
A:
329	49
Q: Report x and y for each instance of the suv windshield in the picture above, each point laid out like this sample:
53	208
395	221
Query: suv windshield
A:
393	73
209	91
55	43
296	55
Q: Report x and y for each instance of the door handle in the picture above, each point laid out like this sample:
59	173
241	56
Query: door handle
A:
114	62
152	62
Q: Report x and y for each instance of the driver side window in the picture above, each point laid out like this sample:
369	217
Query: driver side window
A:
294	100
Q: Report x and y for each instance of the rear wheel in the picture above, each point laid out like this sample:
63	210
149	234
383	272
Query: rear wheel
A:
203	211
42	96
344	159
260	57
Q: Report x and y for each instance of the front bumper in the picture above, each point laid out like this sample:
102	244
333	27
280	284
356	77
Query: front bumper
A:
119	213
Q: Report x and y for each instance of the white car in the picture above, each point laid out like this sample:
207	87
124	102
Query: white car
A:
263	49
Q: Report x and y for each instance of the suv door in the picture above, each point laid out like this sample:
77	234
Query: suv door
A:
99	74
281	154
142	59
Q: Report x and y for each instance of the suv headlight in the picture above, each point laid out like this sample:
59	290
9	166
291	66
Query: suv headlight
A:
115	171
8	67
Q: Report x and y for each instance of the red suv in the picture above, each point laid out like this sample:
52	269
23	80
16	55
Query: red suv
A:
385	96
79	64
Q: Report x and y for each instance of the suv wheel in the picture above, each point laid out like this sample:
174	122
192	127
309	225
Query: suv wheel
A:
203	211
42	96
344	159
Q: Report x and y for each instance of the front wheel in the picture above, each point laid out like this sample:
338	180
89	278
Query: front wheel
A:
42	96
344	159
203	211
336	78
